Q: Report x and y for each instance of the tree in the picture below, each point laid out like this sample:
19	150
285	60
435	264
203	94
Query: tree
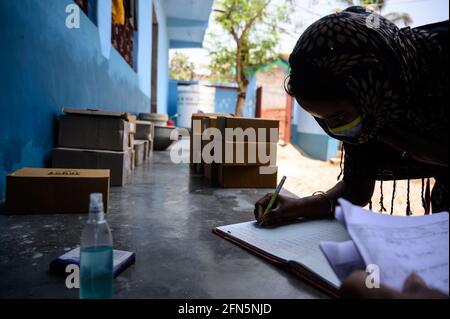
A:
378	5
253	27
181	68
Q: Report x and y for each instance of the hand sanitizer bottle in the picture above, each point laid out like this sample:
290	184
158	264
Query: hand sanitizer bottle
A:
96	254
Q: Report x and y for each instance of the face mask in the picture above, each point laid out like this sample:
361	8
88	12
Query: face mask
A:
352	129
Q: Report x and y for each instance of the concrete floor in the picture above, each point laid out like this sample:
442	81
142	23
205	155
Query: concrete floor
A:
165	215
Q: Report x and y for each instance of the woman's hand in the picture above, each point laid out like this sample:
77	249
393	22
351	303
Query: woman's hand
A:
284	209
287	209
414	288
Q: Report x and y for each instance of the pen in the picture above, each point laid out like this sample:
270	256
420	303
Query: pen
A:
274	196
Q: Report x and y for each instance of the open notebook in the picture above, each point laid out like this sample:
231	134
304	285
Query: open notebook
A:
295	246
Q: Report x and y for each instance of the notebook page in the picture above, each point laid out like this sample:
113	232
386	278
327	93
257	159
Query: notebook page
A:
297	242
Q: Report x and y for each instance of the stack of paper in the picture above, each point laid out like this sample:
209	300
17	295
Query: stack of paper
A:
397	246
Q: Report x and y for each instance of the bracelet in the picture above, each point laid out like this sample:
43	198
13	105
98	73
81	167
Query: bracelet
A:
332	205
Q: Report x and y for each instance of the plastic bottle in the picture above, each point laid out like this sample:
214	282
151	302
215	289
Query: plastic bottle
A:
96	254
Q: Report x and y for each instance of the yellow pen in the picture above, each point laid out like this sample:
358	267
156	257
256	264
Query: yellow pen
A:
274	196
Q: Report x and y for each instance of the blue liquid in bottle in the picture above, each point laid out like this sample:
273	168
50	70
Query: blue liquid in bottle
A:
95	273
96	254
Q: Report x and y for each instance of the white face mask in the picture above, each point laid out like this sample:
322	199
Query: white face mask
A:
352	129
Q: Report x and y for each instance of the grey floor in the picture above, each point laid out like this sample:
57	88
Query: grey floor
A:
164	215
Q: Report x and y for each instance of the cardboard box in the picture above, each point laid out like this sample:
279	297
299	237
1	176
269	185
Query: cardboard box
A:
144	130
248	153
243	149
245	177
91	129
246	123
139	148
211	172
132	119
150	148
196	131
131	140
146	148
119	163
133	158
44	191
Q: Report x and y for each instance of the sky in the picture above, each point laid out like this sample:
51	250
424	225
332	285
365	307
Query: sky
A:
307	11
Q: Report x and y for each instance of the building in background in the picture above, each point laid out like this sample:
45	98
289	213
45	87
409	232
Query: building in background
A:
296	125
47	63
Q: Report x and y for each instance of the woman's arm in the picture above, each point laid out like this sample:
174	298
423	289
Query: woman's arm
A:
414	145
358	192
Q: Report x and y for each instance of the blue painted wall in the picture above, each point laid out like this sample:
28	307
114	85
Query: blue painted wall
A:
44	66
226	100
172	97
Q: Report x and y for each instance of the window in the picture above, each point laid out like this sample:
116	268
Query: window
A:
83	4
124	27
89	7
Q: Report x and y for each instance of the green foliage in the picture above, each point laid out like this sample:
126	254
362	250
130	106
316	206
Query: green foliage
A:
181	68
252	30
222	65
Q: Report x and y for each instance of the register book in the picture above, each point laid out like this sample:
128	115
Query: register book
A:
294	246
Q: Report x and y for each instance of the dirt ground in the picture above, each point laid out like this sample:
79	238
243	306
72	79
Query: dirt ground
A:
306	175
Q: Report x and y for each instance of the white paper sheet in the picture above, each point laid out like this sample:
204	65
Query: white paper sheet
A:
343	257
400	245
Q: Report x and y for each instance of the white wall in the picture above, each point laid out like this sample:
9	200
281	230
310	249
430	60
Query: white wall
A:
144	44
163	58
306	122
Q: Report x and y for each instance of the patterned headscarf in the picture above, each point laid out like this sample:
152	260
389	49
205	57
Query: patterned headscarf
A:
391	74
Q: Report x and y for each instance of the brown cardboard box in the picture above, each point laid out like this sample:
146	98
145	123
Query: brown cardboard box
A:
131	140
119	163
211	171
245	123
139	148
146	148
90	129
241	152
132	119
150	148
42	190
241	148
144	130
133	158
245	177
196	131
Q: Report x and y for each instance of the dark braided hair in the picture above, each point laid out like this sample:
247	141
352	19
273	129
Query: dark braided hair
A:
393	196
408	203
422	195
382	208
341	163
